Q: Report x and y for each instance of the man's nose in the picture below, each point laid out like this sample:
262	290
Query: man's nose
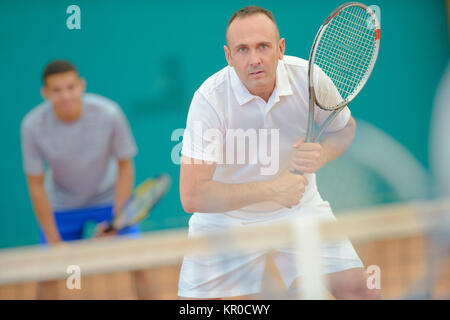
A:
65	94
255	60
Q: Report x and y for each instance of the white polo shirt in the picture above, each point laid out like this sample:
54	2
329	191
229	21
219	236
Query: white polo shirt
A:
223	106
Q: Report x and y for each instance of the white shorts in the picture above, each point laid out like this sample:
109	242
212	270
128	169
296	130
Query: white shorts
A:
227	275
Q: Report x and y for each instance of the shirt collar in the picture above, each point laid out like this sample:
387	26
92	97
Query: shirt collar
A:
282	87
240	90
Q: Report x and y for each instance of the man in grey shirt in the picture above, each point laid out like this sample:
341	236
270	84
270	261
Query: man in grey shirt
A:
78	154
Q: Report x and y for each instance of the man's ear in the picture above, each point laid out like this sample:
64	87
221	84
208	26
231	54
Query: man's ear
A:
281	47
44	92
227	55
83	84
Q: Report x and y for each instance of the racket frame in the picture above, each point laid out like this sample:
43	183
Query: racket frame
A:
118	219
311	89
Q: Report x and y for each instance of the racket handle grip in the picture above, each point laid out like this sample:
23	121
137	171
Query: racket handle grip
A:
296	171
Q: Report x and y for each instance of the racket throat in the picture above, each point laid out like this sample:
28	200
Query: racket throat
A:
310	130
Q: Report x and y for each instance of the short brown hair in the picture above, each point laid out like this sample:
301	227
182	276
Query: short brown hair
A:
252	10
57	66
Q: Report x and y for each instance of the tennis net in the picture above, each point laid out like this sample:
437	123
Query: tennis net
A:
404	247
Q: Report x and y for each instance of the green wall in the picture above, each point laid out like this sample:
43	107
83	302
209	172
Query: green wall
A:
150	57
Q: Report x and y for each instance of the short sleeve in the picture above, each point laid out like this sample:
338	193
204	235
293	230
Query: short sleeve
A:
203	137
328	94
338	123
123	144
33	160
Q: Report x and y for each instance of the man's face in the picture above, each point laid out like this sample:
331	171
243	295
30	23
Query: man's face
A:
64	90
253	49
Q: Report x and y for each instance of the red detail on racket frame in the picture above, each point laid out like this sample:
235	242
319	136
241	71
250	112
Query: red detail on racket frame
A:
336	14
377	34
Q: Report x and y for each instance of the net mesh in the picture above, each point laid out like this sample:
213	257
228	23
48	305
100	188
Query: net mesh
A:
405	249
345	51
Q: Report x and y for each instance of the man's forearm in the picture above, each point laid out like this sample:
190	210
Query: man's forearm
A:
124	184
336	143
44	214
215	197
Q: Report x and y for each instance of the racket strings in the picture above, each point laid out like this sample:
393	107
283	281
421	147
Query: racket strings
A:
348	58
355	24
368	46
346	50
144	198
341	65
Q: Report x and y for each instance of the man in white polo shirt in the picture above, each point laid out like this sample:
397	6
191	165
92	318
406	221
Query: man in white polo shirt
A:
264	91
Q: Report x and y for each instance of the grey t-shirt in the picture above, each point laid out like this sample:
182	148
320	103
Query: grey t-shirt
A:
79	158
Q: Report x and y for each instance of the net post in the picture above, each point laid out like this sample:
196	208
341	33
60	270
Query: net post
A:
307	241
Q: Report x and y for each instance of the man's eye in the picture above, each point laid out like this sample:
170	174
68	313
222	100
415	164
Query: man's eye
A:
242	49
263	46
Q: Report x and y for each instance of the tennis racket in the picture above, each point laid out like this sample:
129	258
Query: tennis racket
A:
341	60
140	203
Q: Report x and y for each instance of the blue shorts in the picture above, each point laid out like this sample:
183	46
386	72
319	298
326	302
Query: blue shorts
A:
70	223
